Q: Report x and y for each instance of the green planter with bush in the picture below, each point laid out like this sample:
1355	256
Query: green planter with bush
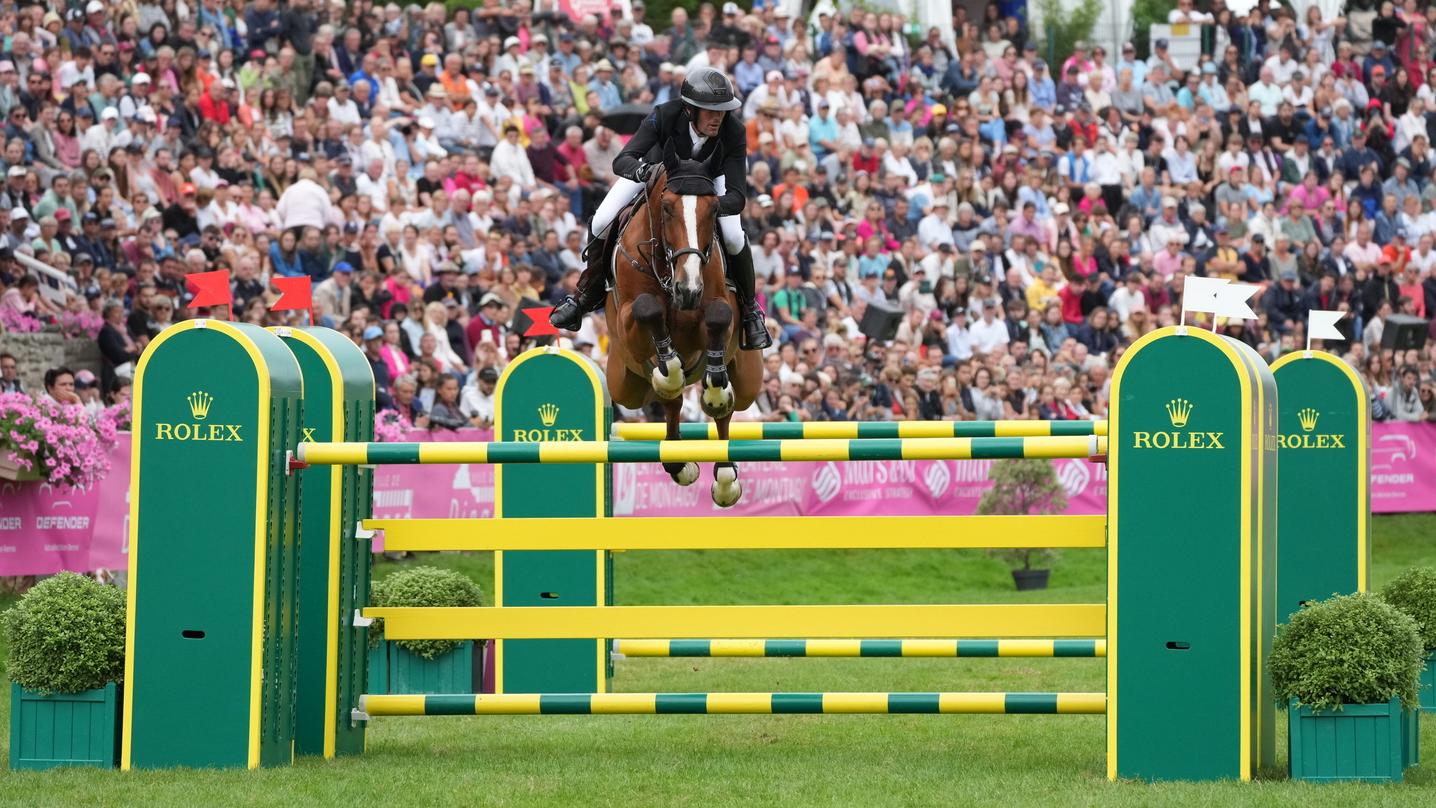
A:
1021	488
1347	670
424	666
1414	592
67	660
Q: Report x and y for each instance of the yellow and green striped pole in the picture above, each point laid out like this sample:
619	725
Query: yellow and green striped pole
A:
702	451
810	430
735	704
861	648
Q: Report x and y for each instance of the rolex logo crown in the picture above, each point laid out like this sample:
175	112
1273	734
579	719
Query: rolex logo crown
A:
548	413
199	402
1179	410
1307	417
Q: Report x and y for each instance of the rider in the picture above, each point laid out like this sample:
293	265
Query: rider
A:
696	124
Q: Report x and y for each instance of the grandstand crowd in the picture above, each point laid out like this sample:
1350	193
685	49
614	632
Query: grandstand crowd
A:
1028	214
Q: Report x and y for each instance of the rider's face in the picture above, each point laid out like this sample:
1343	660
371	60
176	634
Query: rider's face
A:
707	121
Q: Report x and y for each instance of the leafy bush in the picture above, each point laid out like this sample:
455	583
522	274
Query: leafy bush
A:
1061	29
1414	592
1350	649
67	635
1145	14
1023	487
424	586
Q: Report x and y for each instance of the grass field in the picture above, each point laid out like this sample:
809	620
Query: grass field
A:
760	760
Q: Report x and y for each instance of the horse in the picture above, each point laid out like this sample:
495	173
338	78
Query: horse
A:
672	316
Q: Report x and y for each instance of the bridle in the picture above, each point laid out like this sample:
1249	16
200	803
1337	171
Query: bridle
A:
662	260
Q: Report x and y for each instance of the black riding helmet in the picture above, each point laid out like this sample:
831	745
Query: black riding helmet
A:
707	88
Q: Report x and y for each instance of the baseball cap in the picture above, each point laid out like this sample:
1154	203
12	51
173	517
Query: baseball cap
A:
140	78
373	332
512	42
429	60
63	214
187	188
488	374
731	8
1060	208
344	266
17	171
19	214
109	114
490	297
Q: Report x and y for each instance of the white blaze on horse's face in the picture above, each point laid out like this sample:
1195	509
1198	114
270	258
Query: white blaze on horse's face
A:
691	286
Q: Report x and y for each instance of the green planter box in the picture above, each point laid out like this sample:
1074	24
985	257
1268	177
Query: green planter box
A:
1360	742
394	670
1428	685
64	729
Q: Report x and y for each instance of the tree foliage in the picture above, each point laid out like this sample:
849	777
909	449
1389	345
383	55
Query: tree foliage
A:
1021	488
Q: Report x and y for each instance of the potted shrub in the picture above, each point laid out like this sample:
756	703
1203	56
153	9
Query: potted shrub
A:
424	666
1347	669
1019	488
67	659
1414	592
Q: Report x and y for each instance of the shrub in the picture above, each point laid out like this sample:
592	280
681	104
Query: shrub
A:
1063	26
1350	649
67	635
425	586
1020	488
1414	592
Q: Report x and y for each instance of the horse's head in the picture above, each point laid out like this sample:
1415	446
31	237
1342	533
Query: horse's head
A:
688	223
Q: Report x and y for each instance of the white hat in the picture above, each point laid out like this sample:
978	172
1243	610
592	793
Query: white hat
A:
426	122
978	244
731	8
227	84
1060	209
16	214
511	42
603	64
146	114
109	114
94	7
17	171
140	78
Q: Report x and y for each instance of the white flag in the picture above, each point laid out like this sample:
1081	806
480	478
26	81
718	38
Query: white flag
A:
1232	301
1322	325
1202	294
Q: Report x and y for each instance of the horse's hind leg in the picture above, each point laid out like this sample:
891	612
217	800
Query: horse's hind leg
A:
717	397
682	473
667	373
727	490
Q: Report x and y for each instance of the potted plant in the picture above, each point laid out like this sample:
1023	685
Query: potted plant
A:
424	666
1023	487
1414	592
1347	670
67	659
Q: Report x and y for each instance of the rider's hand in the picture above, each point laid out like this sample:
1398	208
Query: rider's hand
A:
643	172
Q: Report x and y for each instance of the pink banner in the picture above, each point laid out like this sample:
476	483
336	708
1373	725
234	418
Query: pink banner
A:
44	531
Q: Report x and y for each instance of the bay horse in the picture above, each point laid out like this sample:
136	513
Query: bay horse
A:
671	315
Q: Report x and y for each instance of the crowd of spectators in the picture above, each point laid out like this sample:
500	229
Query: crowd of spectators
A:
1029	214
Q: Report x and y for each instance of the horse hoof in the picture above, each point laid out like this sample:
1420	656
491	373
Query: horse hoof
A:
687	474
718	401
667	379
727	489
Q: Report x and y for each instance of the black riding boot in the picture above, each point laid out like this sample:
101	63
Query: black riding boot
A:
753	330
592	288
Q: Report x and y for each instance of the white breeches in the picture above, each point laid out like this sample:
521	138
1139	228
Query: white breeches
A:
624	190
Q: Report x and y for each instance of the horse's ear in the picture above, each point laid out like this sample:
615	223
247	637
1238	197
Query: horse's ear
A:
670	156
713	166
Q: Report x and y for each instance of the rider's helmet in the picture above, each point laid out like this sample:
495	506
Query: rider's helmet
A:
707	88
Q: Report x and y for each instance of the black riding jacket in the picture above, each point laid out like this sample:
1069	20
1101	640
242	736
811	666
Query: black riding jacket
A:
669	123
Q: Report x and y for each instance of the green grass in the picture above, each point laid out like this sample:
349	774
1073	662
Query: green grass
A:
759	760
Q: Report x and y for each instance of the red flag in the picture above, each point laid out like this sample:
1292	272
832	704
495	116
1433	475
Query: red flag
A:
294	293
209	289
540	326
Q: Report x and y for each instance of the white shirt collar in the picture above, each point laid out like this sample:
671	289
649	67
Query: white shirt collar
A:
698	140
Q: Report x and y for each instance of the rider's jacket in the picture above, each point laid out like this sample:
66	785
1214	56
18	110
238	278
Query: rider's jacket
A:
669	123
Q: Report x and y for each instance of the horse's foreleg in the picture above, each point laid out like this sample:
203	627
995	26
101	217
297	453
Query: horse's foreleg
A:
667	373
717	399
727	490
682	473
